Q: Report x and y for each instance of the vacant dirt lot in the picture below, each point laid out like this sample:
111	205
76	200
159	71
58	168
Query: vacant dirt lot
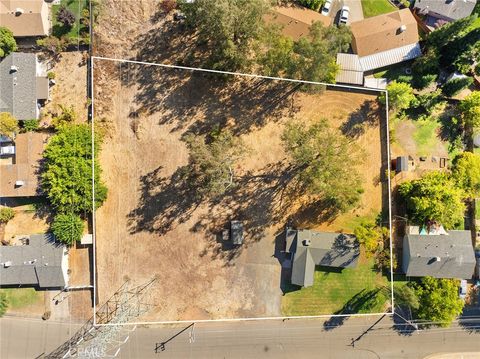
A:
152	225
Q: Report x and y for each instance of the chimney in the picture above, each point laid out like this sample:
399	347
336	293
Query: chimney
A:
437	259
402	28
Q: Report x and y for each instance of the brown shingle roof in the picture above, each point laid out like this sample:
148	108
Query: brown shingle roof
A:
28	153
32	20
296	20
382	33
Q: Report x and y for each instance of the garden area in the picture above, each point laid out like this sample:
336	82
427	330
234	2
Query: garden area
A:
376	7
351	290
64	24
26	300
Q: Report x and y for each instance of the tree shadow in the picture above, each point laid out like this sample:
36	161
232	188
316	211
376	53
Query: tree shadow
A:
358	121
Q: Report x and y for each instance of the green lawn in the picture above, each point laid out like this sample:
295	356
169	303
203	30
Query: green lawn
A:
22	297
376	7
426	135
393	72
76	7
333	291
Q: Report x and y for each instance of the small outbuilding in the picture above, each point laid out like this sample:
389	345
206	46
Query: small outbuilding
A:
236	233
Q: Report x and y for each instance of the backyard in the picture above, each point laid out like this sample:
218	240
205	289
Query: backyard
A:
146	112
76	32
376	7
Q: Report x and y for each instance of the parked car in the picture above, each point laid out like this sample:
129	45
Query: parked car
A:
344	15
326	7
462	290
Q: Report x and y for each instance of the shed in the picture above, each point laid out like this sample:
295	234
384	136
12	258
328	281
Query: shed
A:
401	164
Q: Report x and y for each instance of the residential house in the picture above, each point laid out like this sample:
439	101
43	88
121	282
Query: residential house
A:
24	85
438	254
40	262
295	20
378	42
309	249
20	165
437	12
26	18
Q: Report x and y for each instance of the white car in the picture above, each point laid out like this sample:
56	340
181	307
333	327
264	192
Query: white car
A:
344	14
326	7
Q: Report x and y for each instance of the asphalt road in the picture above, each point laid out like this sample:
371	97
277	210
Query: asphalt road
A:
260	339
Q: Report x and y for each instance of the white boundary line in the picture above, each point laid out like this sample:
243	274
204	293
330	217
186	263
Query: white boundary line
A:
92	64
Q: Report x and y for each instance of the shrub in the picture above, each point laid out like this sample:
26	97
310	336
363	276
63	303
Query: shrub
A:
6	214
429	100
67	228
30	125
312	4
420	82
51	75
67	116
66	17
477	69
8	124
405	78
3	303
454	86
7	42
168	6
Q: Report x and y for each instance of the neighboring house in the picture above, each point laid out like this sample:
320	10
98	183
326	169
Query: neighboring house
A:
438	11
24	85
438	254
20	175
25	18
309	249
296	20
378	42
41	262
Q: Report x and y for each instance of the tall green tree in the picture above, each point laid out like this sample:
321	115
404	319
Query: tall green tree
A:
68	227
470	110
435	197
211	165
8	124
466	171
439	301
67	175
7	42
371	236
400	96
405	296
324	163
3	303
229	28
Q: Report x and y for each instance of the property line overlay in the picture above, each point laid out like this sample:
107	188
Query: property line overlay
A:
247	75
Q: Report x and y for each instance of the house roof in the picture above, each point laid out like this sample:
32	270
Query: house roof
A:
18	89
28	154
439	256
351	71
296	20
39	263
383	32
451	9
33	20
321	249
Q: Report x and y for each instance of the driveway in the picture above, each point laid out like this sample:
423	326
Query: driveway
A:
356	11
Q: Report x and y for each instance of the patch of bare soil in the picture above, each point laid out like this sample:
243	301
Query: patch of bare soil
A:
70	87
153	225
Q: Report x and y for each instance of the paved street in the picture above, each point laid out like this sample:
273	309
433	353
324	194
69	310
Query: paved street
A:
259	339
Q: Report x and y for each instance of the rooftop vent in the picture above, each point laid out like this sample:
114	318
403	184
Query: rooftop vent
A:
437	259
19	11
19	183
13	68
402	28
307	242
7	264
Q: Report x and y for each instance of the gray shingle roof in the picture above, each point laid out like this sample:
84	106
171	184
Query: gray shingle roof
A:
451	9
321	249
439	256
37	264
18	89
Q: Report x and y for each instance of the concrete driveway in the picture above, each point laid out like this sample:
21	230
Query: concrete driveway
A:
356	11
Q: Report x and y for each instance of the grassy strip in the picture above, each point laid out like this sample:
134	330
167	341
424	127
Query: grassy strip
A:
376	7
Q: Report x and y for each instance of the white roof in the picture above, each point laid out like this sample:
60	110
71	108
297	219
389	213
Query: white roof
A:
372	82
390	57
350	69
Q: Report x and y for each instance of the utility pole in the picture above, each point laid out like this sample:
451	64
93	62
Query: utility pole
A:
104	334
